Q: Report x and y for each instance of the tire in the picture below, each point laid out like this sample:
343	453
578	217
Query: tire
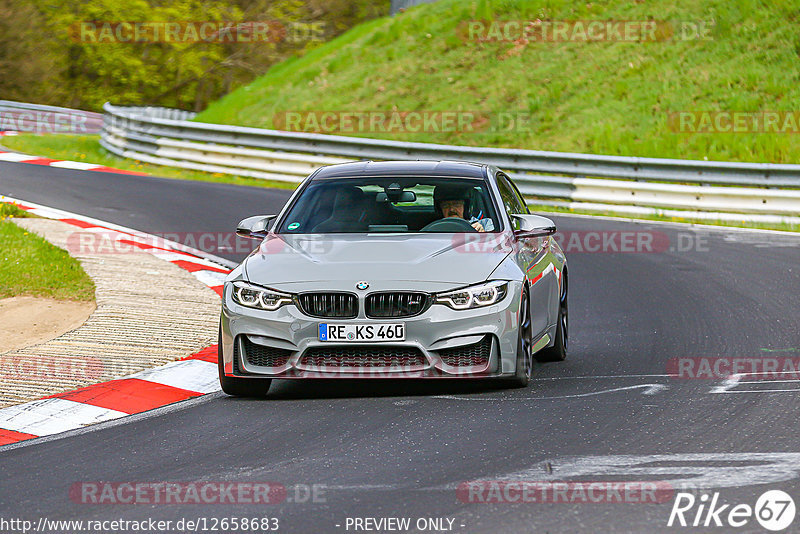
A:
558	352
240	387
524	367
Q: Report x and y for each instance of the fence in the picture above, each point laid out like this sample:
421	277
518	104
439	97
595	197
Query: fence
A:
36	118
704	189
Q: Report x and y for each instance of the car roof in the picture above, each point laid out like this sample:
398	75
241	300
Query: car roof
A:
360	169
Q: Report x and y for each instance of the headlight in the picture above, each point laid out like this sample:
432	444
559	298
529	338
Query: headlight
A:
259	297
475	296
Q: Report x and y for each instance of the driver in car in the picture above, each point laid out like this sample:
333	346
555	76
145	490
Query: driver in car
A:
454	201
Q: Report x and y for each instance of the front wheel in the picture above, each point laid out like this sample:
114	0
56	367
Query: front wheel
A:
240	387
524	367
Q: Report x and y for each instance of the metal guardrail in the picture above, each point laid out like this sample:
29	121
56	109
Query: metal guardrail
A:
714	190
37	118
719	190
702	189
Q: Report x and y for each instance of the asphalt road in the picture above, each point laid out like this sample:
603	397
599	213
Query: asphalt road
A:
149	204
401	449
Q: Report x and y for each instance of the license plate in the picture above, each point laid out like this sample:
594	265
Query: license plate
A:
361	332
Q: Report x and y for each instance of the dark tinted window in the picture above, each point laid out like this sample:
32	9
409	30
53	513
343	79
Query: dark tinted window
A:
400	204
511	201
520	199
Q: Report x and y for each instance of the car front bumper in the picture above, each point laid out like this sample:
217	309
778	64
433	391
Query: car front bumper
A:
446	343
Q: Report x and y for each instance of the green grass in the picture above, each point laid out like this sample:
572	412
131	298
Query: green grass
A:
8	209
86	148
29	265
596	97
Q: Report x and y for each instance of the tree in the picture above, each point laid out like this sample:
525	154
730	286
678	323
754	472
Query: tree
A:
56	51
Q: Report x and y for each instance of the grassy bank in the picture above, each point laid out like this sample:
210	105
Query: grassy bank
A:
591	97
29	265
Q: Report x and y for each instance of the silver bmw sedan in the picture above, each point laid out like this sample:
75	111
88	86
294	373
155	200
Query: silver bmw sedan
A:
395	269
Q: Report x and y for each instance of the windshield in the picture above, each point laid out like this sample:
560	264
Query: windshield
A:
407	204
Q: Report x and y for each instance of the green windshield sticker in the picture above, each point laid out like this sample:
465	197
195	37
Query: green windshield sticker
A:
294	226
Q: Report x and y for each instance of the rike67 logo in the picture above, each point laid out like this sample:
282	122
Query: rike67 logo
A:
774	510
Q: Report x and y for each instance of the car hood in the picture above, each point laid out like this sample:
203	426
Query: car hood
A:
450	259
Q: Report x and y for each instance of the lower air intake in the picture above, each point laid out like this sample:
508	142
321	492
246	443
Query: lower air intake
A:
364	357
263	356
474	355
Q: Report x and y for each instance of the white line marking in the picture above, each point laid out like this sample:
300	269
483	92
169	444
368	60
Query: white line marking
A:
727	384
776	372
111	423
791	381
603	376
15	157
50	416
111	233
735	380
743	469
692	471
191	375
762	391
173	256
47	213
649	389
78	165
210	278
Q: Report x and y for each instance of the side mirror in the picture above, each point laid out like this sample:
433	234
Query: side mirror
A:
254	227
533	226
